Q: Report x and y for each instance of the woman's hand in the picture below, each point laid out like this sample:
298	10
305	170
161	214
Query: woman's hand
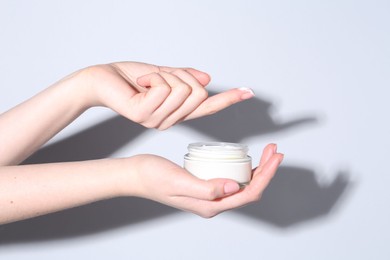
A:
33	190
156	96
158	179
150	95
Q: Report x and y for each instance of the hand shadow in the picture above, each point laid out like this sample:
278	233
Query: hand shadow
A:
85	220
246	119
96	142
295	196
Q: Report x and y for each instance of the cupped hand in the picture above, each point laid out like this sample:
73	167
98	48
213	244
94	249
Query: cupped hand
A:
156	96
161	180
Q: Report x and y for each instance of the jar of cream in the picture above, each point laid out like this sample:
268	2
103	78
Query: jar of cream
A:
209	160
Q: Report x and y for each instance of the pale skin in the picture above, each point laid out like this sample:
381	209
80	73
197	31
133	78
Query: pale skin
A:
153	96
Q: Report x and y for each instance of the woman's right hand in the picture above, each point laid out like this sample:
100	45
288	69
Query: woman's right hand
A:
156	96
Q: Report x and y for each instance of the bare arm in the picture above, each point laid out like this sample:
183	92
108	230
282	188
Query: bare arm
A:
29	125
31	190
156	97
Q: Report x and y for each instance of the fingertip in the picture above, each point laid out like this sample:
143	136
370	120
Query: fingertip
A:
203	77
268	151
280	157
246	93
271	147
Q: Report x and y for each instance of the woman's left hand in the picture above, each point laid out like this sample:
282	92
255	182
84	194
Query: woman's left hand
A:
161	180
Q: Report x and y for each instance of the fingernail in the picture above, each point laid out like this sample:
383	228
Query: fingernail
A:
231	187
247	93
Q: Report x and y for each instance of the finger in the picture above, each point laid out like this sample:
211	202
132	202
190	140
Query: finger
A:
250	193
209	190
197	96
263	176
202	77
220	101
268	151
146	103
187	77
180	91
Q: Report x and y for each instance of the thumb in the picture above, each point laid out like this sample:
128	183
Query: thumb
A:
209	190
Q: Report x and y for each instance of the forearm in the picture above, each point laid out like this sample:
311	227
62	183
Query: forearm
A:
30	190
155	97
29	125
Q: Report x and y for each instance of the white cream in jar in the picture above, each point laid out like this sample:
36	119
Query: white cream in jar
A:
210	160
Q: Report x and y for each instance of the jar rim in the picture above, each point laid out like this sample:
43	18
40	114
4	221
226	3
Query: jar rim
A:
218	146
247	158
222	150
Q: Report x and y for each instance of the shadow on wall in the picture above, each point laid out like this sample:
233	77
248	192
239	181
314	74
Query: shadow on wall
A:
294	195
245	119
96	142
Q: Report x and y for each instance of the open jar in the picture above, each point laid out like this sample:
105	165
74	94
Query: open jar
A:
210	160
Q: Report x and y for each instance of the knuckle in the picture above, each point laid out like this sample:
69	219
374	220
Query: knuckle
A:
255	197
183	89
201	93
207	213
150	124
169	122
163	127
164	88
211	193
147	125
139	117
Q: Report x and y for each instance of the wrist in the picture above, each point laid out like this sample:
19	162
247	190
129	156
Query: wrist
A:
126	180
89	82
79	87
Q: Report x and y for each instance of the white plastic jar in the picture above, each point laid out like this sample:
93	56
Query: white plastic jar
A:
209	160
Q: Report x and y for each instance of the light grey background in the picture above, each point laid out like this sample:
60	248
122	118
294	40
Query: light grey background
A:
320	70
